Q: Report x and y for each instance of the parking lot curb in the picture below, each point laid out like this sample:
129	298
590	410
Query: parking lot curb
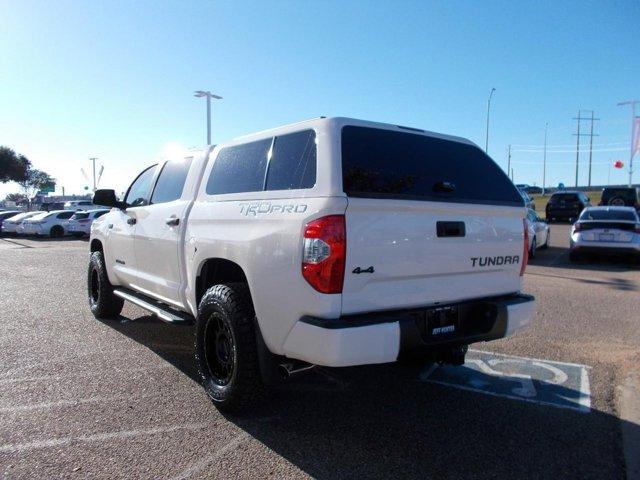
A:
629	401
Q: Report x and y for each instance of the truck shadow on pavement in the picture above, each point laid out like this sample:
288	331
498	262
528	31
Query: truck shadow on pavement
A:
558	257
383	422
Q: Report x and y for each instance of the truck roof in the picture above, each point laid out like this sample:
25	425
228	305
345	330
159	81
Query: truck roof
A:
341	121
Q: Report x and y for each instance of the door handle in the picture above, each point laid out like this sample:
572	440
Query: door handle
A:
131	221
173	221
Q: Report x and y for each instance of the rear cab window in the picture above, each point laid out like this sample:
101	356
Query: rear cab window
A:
283	162
378	163
629	194
563	197
622	215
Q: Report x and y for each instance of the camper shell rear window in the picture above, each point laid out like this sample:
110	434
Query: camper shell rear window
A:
378	163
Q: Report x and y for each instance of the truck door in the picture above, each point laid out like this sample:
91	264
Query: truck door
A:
122	225
158	235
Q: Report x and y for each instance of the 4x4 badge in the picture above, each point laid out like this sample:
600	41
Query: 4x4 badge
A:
358	270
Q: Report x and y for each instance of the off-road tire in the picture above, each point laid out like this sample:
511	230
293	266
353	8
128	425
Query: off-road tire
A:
102	301
616	201
226	312
56	231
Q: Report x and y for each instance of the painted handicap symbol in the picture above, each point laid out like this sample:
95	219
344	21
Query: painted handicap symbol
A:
545	382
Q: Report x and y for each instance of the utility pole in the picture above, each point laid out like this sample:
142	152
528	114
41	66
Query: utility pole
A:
591	146
577	147
633	104
579	118
93	160
209	95
509	162
486	142
544	159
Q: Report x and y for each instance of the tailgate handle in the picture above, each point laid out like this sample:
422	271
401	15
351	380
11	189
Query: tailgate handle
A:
450	229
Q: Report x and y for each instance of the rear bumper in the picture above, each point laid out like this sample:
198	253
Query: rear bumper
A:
620	248
562	212
383	337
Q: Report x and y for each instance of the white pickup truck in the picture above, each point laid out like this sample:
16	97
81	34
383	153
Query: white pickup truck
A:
330	242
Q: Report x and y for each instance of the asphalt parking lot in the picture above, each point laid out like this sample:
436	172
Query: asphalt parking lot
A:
81	398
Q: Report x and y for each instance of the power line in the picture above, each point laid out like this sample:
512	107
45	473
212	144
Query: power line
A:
606	144
572	150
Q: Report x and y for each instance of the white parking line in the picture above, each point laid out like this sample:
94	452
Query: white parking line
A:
585	391
88	373
69	403
209	459
98	437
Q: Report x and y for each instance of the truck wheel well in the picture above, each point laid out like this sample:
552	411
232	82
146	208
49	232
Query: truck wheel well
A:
216	271
96	246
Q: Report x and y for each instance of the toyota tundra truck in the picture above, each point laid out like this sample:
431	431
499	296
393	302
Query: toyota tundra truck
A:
331	242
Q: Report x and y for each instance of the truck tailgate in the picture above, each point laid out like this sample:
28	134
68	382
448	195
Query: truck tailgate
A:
404	254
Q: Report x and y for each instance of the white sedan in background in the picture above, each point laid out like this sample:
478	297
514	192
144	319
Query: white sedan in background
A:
539	232
606	230
11	224
80	224
53	224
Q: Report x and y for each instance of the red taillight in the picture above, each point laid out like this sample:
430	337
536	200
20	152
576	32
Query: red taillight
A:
323	254
525	253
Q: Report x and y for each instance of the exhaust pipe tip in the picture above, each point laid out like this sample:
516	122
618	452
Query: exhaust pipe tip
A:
287	370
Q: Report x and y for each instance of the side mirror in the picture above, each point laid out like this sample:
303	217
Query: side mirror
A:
107	198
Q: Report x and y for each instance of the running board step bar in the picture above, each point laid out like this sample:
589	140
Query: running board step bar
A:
160	310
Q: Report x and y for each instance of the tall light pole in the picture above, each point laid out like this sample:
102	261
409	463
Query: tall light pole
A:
544	159
93	160
209	95
486	142
633	104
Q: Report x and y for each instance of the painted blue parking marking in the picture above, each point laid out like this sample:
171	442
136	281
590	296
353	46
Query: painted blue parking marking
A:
545	382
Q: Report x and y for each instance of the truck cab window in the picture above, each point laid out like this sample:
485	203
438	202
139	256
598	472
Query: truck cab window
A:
171	181
138	194
239	168
293	162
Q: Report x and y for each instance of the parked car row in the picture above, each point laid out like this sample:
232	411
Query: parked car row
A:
56	223
603	230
